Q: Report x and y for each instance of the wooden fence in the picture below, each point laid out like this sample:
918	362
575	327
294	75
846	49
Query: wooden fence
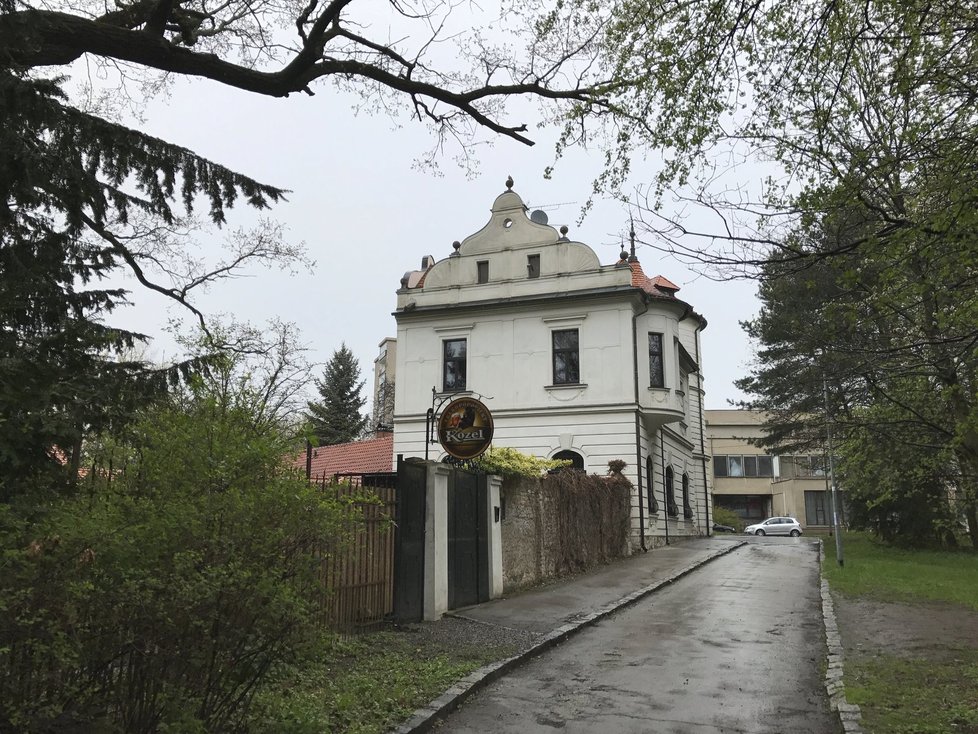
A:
357	571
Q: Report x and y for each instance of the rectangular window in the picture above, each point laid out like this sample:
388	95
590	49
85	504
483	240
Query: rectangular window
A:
815	508
567	368
765	466
533	266
483	270
807	467
454	365
750	466
735	466
719	466
657	377
819	465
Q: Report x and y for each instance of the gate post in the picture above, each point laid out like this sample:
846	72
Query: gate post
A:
436	542
494	537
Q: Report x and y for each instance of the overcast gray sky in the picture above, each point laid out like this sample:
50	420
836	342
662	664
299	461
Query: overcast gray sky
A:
367	214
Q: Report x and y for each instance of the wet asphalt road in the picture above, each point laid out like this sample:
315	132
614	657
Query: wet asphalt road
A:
735	646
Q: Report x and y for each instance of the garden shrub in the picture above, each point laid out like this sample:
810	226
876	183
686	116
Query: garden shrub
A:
723	516
510	462
158	597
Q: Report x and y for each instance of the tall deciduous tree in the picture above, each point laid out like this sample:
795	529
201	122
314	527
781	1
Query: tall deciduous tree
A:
84	198
276	49
862	113
336	416
821	94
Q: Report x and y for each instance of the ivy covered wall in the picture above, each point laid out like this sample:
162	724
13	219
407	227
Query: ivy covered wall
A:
562	524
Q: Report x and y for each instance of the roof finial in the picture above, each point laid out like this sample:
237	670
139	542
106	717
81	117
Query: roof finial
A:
631	235
509	183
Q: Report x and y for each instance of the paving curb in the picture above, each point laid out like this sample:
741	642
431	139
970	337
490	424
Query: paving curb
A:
849	713
425	718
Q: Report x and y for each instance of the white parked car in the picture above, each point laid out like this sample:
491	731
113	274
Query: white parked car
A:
776	526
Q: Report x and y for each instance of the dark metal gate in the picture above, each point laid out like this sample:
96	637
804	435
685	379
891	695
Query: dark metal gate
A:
468	547
409	541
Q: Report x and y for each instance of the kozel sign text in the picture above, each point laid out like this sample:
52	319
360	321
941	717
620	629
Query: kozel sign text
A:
465	428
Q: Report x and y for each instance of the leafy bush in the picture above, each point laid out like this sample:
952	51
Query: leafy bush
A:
617	466
510	462
157	598
723	516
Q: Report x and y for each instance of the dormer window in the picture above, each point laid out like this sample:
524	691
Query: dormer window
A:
482	268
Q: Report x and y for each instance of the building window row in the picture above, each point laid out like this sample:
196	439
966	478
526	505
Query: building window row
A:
566	353
566	360
743	466
532	268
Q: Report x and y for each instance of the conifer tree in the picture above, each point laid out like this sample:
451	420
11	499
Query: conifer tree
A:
336	416
79	195
71	184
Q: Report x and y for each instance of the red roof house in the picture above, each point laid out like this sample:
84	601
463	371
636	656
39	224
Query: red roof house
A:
357	457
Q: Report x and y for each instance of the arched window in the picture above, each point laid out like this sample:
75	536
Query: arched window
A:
650	485
571	456
671	507
687	507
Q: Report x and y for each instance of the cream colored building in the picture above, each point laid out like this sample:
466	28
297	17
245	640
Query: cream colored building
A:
385	366
574	359
757	485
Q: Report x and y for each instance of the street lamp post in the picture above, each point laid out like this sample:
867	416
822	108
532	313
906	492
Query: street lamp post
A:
835	494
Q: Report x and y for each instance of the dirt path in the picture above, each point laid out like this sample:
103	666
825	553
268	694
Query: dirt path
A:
927	630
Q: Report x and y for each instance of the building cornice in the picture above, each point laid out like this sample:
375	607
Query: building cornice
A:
419	311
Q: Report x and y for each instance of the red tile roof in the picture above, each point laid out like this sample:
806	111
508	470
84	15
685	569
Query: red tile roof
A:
356	457
664	283
657	286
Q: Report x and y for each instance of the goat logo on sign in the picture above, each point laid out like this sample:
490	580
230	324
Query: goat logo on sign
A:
465	428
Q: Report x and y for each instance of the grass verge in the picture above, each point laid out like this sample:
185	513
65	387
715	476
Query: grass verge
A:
934	694
896	574
362	685
918	696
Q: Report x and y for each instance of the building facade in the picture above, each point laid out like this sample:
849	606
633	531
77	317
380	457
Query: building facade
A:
574	359
385	371
757	485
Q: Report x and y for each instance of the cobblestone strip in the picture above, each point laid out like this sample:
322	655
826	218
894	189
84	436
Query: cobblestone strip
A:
849	713
424	719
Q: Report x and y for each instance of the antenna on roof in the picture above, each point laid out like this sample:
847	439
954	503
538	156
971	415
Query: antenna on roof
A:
551	207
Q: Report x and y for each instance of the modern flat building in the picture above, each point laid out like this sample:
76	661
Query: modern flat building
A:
755	484
385	366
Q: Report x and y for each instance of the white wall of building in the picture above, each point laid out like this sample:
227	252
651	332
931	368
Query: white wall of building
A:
508	321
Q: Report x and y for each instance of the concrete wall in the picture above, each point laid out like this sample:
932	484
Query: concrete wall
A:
561	525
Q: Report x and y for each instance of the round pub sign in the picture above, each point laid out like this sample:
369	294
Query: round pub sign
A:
465	428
